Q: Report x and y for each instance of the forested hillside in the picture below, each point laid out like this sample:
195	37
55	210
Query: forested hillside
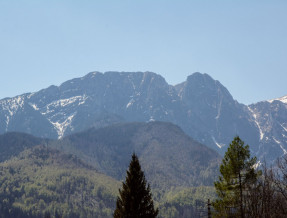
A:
168	156
43	180
12	143
82	179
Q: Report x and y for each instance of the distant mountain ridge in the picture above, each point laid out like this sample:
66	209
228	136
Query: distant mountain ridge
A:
201	106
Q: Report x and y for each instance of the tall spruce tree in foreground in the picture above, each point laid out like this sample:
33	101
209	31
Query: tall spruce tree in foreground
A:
237	178
135	200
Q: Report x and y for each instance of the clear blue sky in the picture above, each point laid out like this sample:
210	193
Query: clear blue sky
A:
243	44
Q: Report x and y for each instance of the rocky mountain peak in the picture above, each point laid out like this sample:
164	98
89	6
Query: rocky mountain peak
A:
201	106
203	85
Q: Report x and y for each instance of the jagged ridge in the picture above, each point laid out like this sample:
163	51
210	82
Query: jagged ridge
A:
201	106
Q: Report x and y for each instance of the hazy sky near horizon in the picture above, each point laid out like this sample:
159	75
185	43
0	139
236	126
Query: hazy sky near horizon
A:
243	44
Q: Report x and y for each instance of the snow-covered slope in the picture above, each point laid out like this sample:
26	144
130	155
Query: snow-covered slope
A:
94	100
282	99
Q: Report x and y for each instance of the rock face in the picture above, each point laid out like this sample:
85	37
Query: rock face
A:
271	120
213	116
201	106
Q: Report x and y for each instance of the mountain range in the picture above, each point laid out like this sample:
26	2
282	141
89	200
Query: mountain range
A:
201	106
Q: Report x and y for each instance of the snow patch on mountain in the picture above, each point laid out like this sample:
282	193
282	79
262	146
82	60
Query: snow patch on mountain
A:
67	101
50	108
282	99
283	149
62	126
57	114
7	122
280	144
219	107
34	106
131	81
220	145
151	119
130	103
283	127
257	123
30	95
12	105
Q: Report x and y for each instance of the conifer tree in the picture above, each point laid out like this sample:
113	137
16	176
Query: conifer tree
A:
238	176
135	200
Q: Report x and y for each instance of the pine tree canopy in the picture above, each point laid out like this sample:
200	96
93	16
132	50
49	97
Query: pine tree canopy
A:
238	175
135	200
